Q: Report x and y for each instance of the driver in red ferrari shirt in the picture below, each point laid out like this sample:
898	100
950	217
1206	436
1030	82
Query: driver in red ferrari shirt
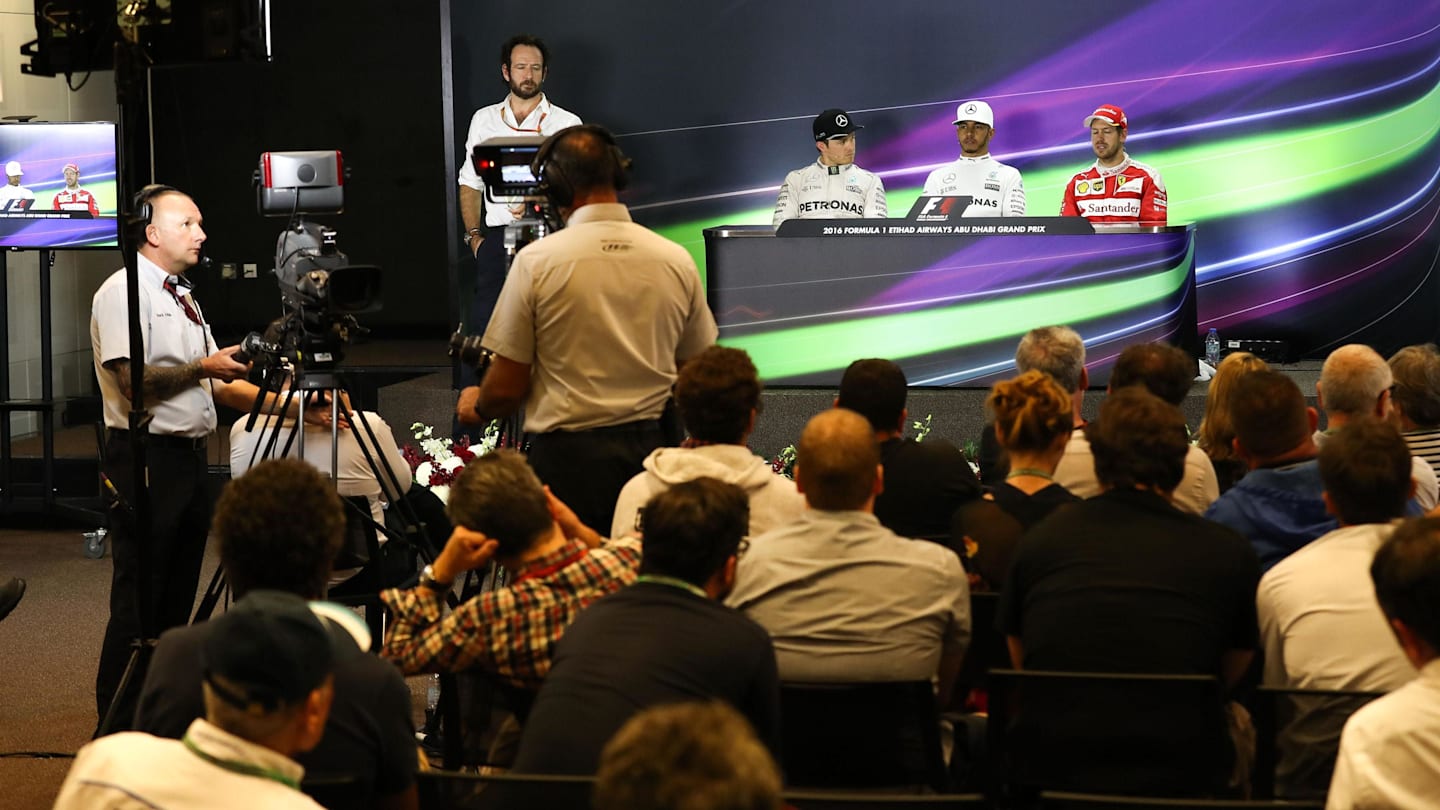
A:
1116	190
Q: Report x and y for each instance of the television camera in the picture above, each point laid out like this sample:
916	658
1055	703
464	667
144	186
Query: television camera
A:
506	165
320	289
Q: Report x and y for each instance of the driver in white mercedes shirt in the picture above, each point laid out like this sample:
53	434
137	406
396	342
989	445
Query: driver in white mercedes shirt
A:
832	187
995	190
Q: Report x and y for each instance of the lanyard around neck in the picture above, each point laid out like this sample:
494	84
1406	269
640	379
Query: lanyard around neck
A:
673	583
242	768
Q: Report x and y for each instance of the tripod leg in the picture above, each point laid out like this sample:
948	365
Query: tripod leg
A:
135	668
213	592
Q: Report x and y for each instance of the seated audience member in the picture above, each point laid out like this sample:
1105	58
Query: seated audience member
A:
844	598
1167	372
1059	352
1125	581
1388	756
665	639
557	566
1355	383
1416	396
1319	624
924	481
278	528
1033	418
355	478
266	666
687	756
1278	505
718	396
1216	434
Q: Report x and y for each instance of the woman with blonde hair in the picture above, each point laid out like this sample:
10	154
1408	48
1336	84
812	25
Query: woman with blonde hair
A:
1216	435
1033	420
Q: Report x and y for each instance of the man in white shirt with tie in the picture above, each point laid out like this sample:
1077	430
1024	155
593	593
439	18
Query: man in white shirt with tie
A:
185	374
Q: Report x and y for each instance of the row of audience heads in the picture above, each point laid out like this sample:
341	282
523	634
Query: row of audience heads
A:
694	530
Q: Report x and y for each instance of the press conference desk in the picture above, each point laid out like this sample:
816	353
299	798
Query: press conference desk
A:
947	301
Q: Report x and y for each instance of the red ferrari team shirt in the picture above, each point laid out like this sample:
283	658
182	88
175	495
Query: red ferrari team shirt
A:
1130	193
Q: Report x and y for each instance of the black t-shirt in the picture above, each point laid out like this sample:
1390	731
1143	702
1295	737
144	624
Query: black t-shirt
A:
996	526
369	736
925	482
1125	582
1031	509
645	645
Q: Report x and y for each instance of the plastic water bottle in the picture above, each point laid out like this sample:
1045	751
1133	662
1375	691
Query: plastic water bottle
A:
1212	348
432	696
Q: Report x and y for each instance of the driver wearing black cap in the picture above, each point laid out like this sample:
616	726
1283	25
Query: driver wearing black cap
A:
832	187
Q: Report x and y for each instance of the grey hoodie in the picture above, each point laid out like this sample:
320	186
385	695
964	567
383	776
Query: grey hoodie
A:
773	498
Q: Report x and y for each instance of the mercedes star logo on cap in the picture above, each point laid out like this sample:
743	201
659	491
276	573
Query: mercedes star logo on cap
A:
841	120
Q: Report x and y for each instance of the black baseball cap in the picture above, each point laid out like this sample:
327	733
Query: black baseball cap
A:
270	649
832	124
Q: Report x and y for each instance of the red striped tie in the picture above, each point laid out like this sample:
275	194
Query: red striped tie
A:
184	302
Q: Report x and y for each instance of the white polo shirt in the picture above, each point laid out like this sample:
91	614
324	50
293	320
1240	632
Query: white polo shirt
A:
170	338
498	121
603	312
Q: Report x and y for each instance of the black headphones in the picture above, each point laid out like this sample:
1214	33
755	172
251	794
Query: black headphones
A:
551	172
142	210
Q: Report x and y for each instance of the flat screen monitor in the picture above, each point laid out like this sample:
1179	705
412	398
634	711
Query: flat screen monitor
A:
40	207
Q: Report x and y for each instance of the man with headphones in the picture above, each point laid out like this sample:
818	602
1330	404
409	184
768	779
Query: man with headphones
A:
185	374
591	327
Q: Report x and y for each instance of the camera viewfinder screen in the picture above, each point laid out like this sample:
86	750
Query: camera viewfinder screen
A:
59	187
519	173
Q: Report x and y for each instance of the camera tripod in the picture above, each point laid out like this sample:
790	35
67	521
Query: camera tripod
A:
321	389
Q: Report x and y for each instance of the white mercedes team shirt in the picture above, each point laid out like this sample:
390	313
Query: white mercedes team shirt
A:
995	189
830	192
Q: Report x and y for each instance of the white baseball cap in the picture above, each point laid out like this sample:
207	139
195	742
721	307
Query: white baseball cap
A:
975	110
12	169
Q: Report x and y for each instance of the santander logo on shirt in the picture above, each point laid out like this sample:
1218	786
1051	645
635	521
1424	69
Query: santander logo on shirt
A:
1109	208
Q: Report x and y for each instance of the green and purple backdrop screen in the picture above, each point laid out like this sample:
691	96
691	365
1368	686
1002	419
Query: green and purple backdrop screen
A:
43	150
1300	138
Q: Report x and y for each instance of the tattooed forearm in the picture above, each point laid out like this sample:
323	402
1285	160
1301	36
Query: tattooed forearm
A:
161	382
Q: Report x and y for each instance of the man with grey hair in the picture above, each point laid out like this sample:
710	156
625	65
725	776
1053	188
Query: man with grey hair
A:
1059	351
1167	372
845	599
1416	398
1355	383
557	566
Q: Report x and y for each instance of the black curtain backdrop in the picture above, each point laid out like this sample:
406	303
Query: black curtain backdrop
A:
364	77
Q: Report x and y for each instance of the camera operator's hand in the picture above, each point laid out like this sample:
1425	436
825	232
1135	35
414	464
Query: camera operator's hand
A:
222	365
317	411
466	550
465	412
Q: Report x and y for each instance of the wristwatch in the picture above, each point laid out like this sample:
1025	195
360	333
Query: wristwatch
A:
473	234
428	580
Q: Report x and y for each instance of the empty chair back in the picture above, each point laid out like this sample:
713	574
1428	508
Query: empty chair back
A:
834	800
1081	801
1141	734
1297	738
861	735
444	790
